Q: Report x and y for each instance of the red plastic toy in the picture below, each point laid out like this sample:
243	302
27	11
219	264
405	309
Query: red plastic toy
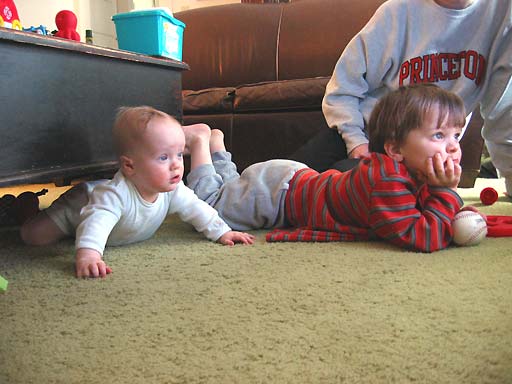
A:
499	226
488	196
66	22
9	15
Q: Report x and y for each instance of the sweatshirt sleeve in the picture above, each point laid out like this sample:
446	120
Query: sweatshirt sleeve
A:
419	221
191	209
358	78
496	105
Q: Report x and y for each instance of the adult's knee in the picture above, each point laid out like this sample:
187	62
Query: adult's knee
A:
322	150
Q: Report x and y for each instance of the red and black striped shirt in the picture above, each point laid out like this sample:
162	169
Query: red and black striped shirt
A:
376	200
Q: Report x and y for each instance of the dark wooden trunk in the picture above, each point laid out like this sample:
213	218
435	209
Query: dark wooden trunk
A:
58	99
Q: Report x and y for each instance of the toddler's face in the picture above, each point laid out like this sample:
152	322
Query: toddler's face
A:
159	158
427	141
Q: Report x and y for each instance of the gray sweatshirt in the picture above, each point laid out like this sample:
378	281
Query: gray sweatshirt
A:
466	51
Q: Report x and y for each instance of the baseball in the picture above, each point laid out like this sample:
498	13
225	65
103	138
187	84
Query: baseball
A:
469	228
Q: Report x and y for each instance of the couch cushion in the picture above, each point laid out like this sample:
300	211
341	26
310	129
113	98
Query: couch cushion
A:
210	100
313	33
303	94
230	44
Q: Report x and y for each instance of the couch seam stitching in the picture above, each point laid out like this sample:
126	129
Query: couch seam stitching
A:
277	41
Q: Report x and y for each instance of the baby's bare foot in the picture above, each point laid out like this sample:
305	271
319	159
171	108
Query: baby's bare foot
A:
217	141
194	134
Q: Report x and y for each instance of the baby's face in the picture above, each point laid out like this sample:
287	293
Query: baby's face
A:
159	158
428	140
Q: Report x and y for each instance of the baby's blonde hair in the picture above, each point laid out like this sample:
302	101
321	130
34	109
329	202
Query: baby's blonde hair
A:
130	125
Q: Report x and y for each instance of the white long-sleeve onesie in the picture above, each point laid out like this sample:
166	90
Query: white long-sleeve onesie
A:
116	214
467	51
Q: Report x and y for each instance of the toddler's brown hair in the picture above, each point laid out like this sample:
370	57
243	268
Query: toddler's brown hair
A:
405	109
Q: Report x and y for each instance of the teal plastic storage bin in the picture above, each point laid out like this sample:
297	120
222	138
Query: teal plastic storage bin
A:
152	32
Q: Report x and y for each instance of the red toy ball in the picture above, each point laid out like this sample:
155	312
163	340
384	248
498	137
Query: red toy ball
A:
488	196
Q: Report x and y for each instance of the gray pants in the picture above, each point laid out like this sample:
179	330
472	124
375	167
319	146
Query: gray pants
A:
251	200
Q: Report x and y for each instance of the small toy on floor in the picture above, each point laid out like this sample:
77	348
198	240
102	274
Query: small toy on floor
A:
488	196
469	228
3	284
16	210
6	204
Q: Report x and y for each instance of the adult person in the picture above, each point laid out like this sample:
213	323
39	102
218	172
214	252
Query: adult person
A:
464	46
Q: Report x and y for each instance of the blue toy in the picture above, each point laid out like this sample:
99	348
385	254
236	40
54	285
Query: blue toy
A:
41	30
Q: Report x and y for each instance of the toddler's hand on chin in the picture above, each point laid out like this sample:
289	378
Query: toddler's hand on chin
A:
439	174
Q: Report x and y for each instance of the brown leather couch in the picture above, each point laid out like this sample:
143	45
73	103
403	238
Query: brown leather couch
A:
258	72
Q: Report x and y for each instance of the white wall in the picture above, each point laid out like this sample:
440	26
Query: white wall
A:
101	24
41	12
34	13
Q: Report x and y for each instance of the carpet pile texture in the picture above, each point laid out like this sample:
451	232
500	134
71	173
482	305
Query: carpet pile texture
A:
181	309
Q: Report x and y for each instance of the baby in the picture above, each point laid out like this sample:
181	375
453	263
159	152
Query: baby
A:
131	207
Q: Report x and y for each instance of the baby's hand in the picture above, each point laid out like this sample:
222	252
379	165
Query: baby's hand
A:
441	174
232	237
89	264
473	209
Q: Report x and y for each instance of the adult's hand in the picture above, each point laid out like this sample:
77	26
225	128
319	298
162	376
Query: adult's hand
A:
359	151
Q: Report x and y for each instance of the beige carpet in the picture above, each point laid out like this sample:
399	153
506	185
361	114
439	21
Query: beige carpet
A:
180	309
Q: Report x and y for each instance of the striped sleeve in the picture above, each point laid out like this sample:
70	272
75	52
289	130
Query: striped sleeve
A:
420	220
